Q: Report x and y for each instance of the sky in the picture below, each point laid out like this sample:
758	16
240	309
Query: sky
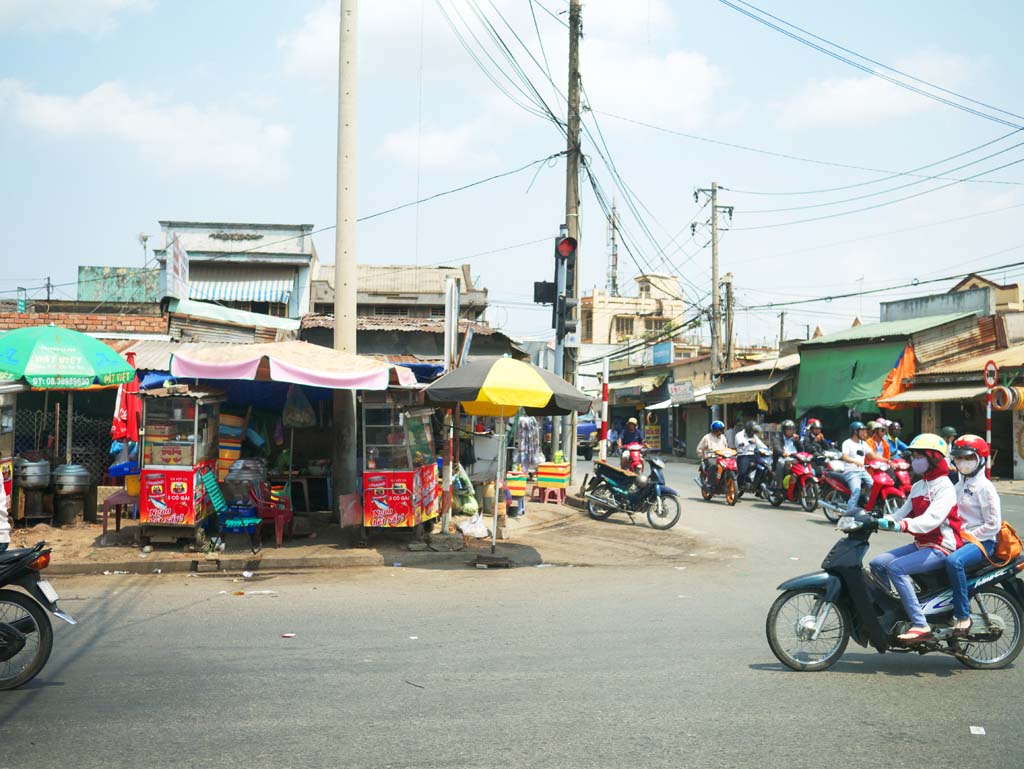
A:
115	114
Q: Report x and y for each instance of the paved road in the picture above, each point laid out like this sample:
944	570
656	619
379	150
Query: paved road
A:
639	649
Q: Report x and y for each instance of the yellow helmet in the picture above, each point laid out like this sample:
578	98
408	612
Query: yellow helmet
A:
929	442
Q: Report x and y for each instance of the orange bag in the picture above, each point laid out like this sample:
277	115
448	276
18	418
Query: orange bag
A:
1008	545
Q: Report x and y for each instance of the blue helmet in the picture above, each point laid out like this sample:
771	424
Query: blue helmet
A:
717	425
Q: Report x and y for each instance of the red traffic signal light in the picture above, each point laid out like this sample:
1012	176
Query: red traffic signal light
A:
566	247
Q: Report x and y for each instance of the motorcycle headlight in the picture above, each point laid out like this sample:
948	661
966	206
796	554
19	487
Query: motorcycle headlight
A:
848	523
642	480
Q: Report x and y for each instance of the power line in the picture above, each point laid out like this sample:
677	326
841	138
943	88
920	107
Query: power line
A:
878	63
875	73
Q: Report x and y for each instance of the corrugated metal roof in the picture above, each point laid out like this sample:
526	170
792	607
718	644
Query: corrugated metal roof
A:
784	363
209	311
1011	357
152	355
962	339
888	330
936	394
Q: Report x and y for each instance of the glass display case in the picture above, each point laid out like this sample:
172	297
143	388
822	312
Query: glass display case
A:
399	463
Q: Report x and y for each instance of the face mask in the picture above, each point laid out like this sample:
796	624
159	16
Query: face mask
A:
920	465
967	466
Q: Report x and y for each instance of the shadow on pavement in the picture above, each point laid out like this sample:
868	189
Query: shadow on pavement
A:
897	665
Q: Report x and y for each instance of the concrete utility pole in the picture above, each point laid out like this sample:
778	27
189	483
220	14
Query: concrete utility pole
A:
730	355
782	329
716	309
344	454
572	202
612	285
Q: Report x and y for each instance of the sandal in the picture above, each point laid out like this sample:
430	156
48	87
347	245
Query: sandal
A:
962	627
915	635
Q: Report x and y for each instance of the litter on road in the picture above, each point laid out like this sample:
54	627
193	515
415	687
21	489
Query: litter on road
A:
287	635
978	730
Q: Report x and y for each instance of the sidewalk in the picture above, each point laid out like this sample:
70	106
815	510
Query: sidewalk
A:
317	544
1008	486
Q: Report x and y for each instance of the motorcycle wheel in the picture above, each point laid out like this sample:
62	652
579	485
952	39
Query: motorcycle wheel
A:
731	488
809	497
776	497
891	505
832	497
999	652
663	513
597	511
786	637
22	667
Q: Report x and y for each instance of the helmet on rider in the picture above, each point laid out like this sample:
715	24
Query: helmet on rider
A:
931	446
855	426
895	428
788	426
871	426
948	434
751	427
970	454
717	426
883	423
631	421
812	423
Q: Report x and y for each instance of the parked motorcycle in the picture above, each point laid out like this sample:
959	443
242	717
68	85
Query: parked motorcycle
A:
613	490
632	458
811	623
26	635
722	480
885	497
799	484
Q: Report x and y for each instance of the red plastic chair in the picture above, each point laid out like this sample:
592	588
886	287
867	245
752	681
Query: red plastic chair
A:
273	509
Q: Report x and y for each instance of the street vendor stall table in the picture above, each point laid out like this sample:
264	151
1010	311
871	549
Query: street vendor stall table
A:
180	428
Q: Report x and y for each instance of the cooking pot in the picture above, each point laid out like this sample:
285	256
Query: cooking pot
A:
71	479
29	474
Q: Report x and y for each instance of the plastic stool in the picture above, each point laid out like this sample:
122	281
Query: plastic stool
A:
555	496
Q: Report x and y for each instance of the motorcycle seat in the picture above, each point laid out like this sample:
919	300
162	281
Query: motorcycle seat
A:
10	556
602	466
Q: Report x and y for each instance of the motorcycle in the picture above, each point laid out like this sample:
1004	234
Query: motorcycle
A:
26	635
885	497
632	458
724	480
799	484
811	623
613	489
754	478
899	469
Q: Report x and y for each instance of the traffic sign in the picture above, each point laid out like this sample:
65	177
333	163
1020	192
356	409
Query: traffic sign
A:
991	374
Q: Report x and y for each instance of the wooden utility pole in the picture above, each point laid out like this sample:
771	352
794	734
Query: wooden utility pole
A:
344	454
716	308
572	203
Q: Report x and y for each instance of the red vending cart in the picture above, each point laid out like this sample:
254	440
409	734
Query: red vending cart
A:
400	488
180	428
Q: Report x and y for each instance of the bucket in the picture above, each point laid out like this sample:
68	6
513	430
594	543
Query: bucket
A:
132	485
69	509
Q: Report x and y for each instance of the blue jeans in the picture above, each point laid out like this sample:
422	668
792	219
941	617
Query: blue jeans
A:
956	567
897	565
855	479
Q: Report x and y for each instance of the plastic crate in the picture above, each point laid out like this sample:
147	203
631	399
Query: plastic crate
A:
553	475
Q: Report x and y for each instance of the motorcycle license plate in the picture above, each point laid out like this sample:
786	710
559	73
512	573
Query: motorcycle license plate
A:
47	589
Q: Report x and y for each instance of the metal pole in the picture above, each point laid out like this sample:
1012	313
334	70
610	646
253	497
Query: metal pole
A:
71	419
988	417
345	464
604	410
499	485
716	309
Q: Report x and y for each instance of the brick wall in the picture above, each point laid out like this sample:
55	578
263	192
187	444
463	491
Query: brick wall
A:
122	324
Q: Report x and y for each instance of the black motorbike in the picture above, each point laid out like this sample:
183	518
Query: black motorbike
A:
810	624
613	490
755	479
26	635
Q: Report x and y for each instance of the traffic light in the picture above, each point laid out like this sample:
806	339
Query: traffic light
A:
564	322
565	250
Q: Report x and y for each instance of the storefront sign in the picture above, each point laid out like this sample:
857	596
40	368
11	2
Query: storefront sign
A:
652	436
661	353
680	392
169	497
400	498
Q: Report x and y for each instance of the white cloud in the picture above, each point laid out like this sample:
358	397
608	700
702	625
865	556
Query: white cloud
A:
869	99
90	17
175	138
438	147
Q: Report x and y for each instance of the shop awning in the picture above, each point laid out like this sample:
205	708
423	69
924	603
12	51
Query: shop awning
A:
640	384
232	285
744	389
296	362
937	394
659	406
850	376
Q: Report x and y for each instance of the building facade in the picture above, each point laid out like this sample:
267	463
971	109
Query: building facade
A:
657	306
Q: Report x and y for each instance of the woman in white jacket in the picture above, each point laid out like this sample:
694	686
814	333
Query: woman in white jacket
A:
978	504
930	515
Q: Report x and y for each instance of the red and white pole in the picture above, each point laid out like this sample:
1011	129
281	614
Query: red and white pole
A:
988	419
603	454
990	375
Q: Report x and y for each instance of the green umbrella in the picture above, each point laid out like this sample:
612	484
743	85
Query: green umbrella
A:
54	358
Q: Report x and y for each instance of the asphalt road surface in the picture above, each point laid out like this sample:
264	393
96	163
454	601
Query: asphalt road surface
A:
634	648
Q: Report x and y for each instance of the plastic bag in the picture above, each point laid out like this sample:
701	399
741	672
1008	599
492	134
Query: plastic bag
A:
475	527
298	412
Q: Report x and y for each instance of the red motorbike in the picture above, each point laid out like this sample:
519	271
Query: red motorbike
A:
885	497
721	480
899	469
632	458
799	484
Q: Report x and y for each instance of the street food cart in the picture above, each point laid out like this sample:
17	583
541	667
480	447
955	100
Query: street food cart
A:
400	488
180	428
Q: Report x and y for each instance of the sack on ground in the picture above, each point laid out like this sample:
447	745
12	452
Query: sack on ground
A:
475	527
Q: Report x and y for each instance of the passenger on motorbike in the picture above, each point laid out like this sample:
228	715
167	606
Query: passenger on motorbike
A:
814	441
748	441
784	445
896	444
879	447
978	505
855	453
930	515
710	444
